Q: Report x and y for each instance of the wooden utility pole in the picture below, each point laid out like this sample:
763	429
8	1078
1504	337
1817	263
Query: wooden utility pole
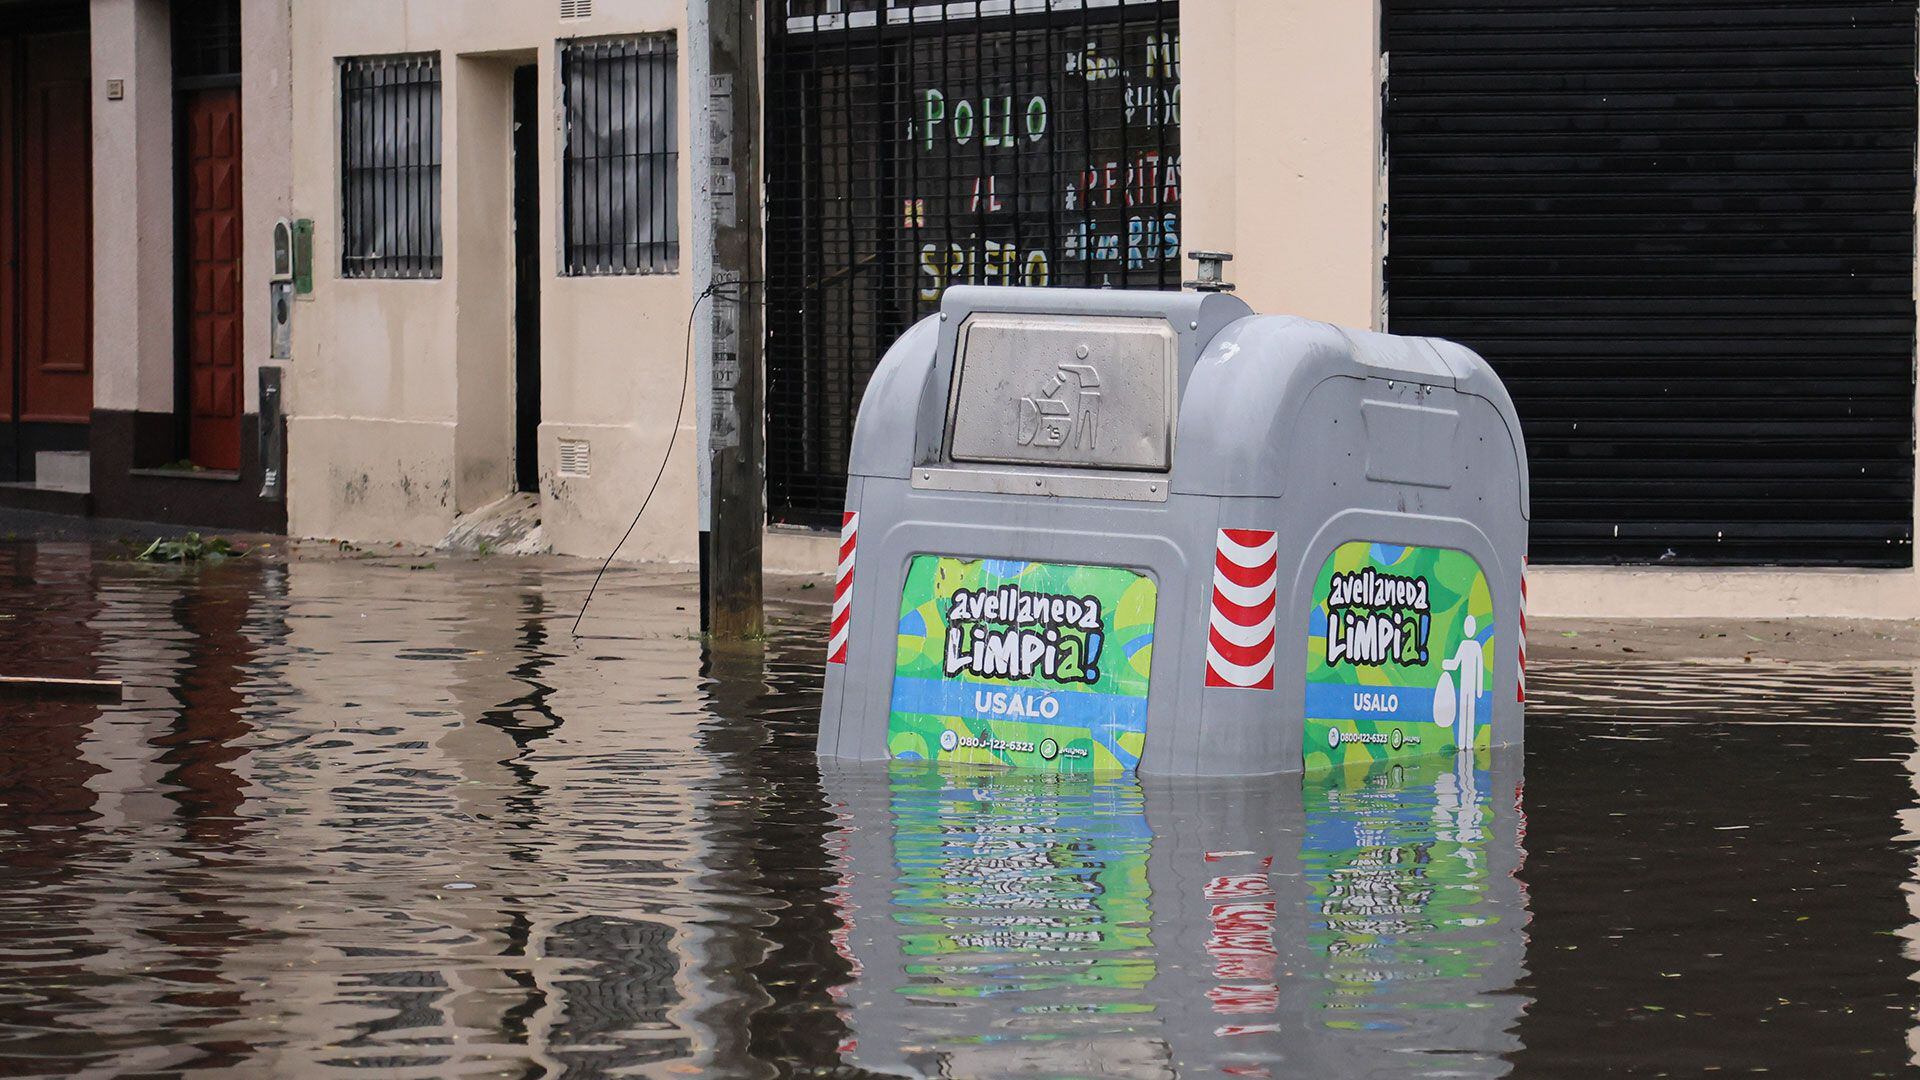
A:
736	399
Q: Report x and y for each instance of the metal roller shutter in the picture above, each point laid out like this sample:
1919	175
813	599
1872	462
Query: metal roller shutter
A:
916	145
1682	230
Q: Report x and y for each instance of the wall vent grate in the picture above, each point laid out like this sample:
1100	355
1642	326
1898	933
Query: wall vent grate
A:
576	457
576	9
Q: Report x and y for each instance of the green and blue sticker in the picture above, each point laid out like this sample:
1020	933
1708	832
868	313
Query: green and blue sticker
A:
1400	655
1030	664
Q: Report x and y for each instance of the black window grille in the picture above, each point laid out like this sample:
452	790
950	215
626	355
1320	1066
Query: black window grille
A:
622	160
390	166
915	145
206	40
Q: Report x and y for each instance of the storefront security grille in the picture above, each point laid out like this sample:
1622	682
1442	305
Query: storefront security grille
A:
915	146
390	166
1682	231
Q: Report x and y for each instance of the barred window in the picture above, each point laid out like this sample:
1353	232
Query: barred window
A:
206	40
390	166
622	162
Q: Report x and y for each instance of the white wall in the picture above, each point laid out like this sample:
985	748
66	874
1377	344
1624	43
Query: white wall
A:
386	371
133	269
1279	151
266	165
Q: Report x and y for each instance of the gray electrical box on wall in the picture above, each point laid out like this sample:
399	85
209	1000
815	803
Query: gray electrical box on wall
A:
280	319
303	256
280	292
272	445
283	250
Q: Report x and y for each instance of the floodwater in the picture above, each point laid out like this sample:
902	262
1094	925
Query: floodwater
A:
356	818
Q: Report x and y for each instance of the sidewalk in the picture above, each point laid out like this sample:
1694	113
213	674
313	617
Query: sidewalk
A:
1791	640
1548	640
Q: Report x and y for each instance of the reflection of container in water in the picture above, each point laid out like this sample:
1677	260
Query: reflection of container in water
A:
1008	923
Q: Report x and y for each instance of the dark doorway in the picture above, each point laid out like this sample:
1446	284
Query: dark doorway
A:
526	281
210	388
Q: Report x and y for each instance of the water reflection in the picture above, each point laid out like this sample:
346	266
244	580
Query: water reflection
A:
1001	924
339	825
1716	869
355	819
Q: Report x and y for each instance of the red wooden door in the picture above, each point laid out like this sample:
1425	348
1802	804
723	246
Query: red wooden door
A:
213	231
55	275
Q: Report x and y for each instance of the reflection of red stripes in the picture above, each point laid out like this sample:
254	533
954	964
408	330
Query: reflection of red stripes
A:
1231	1030
1236	885
1241	630
1245	999
1520	687
1242	964
843	590
1241	938
1249	917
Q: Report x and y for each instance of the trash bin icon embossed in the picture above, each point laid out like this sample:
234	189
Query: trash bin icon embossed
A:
1091	531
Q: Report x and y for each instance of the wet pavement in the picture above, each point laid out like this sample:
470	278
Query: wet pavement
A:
381	816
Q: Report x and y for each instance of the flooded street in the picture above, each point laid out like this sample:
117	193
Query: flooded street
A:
380	815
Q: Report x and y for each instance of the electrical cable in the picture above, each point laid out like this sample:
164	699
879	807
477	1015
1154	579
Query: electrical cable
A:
686	377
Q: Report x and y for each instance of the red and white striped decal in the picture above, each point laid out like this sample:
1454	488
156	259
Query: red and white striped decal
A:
1246	572
843	590
1520	689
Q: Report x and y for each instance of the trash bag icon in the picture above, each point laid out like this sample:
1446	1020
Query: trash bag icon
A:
1446	701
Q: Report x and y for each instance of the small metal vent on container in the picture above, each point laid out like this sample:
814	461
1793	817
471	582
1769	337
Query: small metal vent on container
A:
575	457
576	9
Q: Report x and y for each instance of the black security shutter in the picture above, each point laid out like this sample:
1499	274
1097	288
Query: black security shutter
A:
1682	230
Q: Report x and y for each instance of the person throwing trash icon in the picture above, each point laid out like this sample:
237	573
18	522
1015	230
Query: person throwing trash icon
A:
1456	697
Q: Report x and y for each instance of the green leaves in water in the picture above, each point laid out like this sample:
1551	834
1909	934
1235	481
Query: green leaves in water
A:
190	548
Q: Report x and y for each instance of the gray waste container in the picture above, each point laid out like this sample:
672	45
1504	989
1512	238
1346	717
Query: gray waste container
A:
1100	530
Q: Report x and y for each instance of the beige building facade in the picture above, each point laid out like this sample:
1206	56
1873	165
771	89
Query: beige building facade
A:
505	267
1287	161
402	393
